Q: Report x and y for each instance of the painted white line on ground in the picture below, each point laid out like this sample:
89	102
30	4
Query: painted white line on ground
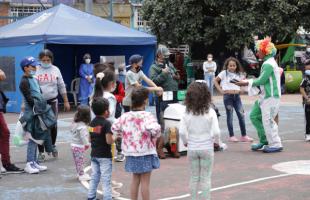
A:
61	142
231	185
251	181
300	167
86	185
59	119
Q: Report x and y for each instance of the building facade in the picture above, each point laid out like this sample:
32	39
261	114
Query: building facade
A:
137	21
125	12
121	10
4	13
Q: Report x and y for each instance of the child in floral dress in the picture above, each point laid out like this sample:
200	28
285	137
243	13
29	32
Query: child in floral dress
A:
139	130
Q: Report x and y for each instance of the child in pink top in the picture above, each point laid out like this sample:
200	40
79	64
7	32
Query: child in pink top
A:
139	130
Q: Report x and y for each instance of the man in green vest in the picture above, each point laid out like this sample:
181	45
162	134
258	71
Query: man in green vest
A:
163	74
267	107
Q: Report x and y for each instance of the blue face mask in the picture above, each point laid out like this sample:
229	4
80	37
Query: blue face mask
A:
307	72
32	73
46	65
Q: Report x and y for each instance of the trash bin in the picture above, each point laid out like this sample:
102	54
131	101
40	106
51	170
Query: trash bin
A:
293	80
172	117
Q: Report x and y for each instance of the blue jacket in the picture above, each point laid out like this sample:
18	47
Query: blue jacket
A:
38	116
86	88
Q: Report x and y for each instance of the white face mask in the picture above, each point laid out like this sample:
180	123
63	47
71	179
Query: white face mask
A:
32	73
46	65
209	59
308	49
87	61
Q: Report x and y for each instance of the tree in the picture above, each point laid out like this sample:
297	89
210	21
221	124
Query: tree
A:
235	21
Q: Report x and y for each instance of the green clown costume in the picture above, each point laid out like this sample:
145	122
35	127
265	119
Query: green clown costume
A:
267	107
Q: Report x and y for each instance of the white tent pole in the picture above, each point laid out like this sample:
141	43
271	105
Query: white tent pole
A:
89	6
111	10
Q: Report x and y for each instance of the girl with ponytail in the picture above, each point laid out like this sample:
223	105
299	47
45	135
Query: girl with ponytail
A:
104	85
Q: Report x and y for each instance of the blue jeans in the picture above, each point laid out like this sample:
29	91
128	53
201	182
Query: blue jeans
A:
209	79
101	168
231	102
122	78
32	151
84	102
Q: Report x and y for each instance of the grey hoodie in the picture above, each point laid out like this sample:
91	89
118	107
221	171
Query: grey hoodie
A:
51	82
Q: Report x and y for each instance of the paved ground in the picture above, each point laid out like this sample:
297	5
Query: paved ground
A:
238	173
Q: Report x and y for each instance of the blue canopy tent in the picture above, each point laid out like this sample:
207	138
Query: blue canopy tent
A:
68	33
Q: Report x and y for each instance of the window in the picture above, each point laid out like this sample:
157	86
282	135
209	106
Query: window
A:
24	11
138	20
7	64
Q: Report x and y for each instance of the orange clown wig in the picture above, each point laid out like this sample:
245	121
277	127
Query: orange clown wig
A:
266	47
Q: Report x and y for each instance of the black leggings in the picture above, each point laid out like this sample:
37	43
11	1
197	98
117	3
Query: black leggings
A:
54	105
307	115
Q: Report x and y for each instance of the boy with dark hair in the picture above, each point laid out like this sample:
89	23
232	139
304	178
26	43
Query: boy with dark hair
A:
33	99
101	155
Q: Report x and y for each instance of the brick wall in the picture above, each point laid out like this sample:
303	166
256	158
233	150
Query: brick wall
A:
4	11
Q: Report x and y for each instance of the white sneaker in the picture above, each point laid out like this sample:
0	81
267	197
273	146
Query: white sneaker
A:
40	167
116	184
119	157
115	194
307	137
2	169
84	177
31	169
223	146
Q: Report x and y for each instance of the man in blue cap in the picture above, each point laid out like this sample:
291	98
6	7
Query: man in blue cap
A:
36	112
134	78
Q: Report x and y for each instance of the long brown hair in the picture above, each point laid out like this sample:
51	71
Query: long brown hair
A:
238	64
198	98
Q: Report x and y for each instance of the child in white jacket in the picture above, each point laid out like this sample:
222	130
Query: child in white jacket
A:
80	139
199	129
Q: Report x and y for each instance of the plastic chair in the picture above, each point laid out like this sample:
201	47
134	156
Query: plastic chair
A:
74	90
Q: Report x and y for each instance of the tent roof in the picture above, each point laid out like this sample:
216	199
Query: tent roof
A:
65	25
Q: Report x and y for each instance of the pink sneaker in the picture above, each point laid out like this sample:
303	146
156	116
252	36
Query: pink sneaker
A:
233	139
246	139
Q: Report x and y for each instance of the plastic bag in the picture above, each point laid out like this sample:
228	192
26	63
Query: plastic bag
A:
19	137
